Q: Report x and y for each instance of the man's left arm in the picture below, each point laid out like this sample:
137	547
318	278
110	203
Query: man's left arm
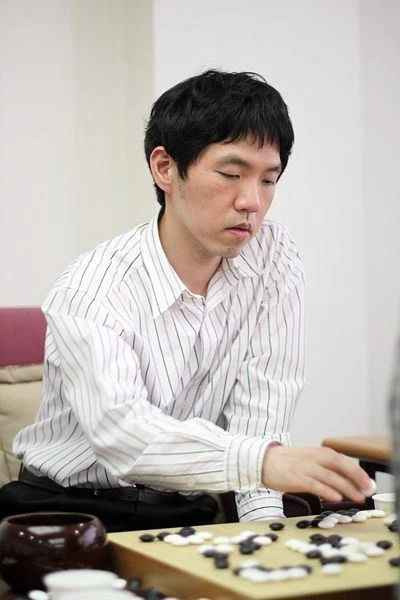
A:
269	381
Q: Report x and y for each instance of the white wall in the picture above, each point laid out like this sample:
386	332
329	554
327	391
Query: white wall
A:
75	87
311	51
380	46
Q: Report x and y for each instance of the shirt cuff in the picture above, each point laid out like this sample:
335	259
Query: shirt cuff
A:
260	505
244	461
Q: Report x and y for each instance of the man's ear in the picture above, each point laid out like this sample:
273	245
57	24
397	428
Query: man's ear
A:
162	168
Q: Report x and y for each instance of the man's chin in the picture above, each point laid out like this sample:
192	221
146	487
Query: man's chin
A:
232	252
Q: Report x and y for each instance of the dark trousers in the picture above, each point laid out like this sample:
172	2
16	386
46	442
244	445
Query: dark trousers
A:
119	509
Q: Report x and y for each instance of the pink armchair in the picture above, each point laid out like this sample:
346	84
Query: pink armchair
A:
22	334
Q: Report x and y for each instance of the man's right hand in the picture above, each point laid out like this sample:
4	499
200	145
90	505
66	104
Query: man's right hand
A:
320	471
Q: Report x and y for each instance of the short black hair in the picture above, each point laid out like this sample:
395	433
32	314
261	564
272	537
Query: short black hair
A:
217	106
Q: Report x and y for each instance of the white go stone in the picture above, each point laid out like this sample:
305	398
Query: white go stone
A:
356	557
327	523
350	549
348	541
195	539
359	517
330	552
278	575
119	583
296	573
38	595
247	564
263	540
374	551
255	575
247	533
222	539
292	544
205	548
376	513
341	518
206	535
331	569
224	548
324	547
236	539
176	540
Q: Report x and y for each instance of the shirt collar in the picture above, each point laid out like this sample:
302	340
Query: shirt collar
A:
166	286
249	263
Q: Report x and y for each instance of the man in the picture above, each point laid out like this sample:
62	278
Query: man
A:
174	353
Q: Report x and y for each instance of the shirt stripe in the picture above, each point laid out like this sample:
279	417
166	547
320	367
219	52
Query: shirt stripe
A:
147	382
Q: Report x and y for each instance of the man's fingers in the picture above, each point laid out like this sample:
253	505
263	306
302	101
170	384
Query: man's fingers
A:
320	489
348	470
341	485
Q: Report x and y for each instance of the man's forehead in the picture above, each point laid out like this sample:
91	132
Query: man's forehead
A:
245	153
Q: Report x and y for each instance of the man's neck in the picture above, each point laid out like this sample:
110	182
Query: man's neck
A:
194	269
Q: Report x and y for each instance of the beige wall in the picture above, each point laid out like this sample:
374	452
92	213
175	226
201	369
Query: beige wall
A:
76	86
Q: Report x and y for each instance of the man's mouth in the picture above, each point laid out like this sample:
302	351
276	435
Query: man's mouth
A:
241	230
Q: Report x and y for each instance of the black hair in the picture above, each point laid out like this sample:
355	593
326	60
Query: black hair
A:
213	107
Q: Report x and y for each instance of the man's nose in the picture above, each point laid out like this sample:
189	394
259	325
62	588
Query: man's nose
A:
249	198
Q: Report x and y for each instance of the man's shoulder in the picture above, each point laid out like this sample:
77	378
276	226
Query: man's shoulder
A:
95	273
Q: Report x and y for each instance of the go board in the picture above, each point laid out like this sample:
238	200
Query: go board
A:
183	572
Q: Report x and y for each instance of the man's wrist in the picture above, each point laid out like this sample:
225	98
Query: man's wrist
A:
267	456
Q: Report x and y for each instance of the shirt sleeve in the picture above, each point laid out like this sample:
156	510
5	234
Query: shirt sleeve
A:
131	438
263	400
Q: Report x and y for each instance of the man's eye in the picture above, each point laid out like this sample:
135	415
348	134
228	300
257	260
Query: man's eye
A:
229	175
268	182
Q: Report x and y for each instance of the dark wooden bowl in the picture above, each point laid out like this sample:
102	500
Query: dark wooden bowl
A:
34	544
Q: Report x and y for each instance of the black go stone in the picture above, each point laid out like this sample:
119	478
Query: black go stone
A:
326	513
133	584
317	537
313	554
221	561
334	539
272	536
186	531
209	553
333	560
162	535
393	526
306	568
246	548
147	537
352	511
395	562
315	522
276	526
152	594
303	524
384	544
237	571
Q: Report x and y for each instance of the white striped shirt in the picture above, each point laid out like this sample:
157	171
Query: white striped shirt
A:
147	382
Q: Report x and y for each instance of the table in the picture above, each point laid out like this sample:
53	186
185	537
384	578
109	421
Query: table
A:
183	572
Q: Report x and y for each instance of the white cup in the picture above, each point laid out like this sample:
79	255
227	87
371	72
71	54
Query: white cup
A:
60	583
385	501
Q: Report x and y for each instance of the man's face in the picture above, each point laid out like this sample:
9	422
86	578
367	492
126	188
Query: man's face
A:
224	197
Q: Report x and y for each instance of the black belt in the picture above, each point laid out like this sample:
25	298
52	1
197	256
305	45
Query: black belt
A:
139	493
